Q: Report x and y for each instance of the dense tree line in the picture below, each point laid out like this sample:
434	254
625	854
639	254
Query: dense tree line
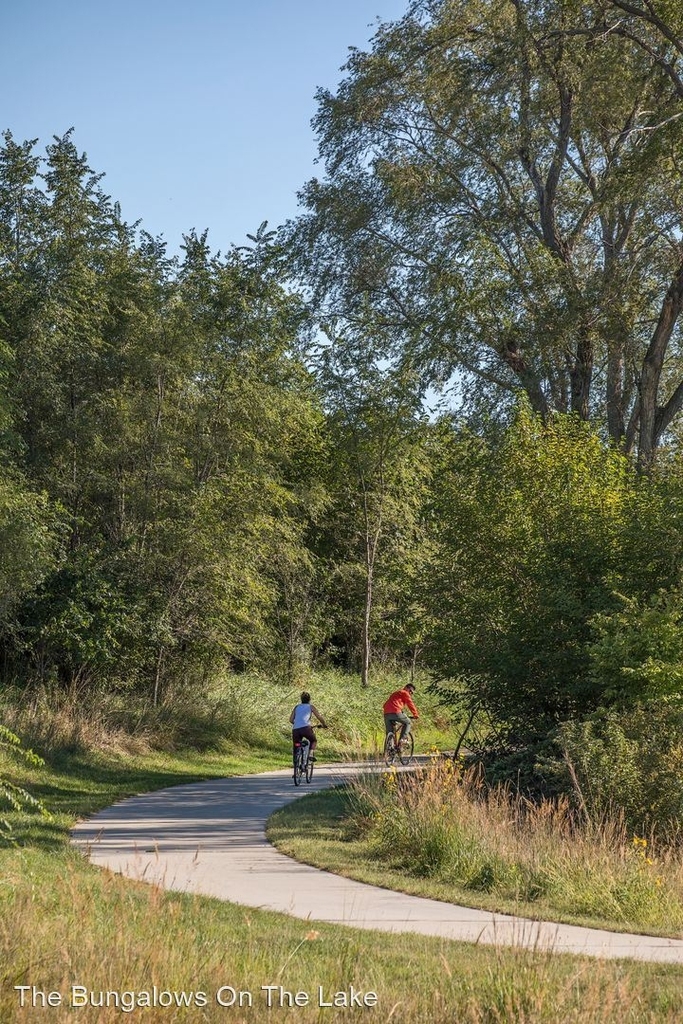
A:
179	497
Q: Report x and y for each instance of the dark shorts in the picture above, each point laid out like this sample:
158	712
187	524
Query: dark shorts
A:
307	731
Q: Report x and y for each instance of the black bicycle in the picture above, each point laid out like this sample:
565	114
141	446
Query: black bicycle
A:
303	762
395	749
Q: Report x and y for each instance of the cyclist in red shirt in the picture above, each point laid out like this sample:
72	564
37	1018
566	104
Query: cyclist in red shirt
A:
393	710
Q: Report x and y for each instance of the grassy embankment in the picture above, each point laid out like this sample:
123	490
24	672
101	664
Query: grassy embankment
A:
435	834
63	922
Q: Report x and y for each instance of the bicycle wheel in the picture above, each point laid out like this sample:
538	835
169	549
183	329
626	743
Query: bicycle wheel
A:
405	749
389	749
298	764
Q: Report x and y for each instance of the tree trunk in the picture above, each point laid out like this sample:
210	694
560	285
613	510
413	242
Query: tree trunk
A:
654	421
581	376
413	662
157	678
367	611
616	426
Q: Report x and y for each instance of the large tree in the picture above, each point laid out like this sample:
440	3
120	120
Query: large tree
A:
502	193
376	473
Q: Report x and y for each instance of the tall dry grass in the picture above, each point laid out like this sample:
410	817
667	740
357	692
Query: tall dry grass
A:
245	709
446	825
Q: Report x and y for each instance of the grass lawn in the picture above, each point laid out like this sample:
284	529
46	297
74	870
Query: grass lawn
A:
63	924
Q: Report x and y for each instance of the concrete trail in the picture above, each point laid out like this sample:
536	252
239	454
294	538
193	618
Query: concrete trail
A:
209	838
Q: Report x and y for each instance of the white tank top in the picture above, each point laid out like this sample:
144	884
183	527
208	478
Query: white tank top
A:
302	716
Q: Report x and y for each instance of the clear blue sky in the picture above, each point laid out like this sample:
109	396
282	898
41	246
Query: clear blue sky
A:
198	113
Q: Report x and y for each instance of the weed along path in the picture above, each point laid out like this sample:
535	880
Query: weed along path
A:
209	838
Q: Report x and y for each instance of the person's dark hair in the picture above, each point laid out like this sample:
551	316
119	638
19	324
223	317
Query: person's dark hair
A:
305	698
410	687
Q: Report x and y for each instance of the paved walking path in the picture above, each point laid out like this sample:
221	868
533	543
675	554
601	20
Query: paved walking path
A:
209	838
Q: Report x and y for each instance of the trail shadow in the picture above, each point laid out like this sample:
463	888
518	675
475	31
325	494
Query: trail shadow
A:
78	786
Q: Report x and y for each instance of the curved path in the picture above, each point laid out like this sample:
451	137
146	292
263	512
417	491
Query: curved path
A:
209	838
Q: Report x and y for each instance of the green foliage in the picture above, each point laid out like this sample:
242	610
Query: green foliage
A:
637	653
183	494
160	406
29	540
629	762
528	533
376	478
500	188
554	579
15	797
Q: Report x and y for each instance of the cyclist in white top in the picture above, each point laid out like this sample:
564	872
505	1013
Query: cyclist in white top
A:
300	720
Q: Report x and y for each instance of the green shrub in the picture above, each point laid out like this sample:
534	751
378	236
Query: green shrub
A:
630	763
12	796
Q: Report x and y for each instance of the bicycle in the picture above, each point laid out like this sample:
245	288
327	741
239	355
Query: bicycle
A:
393	748
303	764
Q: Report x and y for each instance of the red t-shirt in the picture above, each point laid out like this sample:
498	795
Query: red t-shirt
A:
399	700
